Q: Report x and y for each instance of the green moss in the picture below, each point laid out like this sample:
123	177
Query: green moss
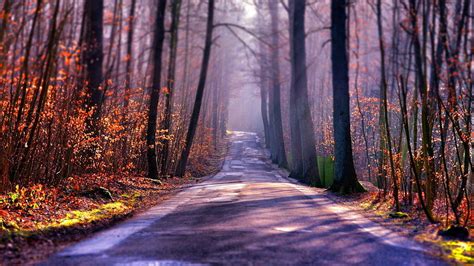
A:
88	216
398	215
131	198
460	251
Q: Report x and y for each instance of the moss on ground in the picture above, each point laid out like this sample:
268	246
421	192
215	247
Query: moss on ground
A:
88	216
459	250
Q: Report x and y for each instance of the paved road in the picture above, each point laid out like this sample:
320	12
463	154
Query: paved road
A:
248	214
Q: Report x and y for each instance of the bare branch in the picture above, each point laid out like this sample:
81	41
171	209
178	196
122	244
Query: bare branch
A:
231	25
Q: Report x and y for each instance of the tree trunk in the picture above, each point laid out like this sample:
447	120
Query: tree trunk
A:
345	178
279	155
155	90
299	94
427	147
128	74
264	99
93	59
383	86
175	13
128	79
181	168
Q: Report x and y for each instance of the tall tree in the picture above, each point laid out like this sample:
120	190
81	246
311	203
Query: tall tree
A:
128	75
159	37
181	168
175	13
264	97
93	57
276	127
386	136
303	145
128	71
345	178
263	78
427	145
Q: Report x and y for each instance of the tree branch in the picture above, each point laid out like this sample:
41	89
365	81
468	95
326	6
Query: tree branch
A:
231	25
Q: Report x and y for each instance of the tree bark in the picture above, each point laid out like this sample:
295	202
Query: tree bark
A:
94	55
303	132
383	87
264	99
345	178
279	156
175	13
159	38
128	74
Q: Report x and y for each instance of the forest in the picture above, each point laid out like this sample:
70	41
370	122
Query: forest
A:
101	100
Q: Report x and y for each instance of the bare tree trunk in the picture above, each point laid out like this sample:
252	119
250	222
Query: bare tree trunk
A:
359	108
264	98
383	86
155	90
128	77
345	179
181	168
277	127
175	13
3	30
93	58
427	147
128	74
299	92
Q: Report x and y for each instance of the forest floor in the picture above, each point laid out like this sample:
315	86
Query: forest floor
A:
37	221
411	223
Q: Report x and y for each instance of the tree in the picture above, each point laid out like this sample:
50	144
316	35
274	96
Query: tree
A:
181	168
427	145
345	178
175	13
276	127
263	79
93	58
386	136
264	96
303	147
128	75
159	37
128	70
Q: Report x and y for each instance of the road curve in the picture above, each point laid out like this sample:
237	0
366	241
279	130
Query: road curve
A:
248	214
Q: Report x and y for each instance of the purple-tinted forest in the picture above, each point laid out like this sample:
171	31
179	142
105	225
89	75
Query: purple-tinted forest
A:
100	99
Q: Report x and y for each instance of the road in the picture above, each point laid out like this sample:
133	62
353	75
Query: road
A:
248	214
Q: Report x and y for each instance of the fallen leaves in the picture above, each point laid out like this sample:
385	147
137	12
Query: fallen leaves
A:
66	213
